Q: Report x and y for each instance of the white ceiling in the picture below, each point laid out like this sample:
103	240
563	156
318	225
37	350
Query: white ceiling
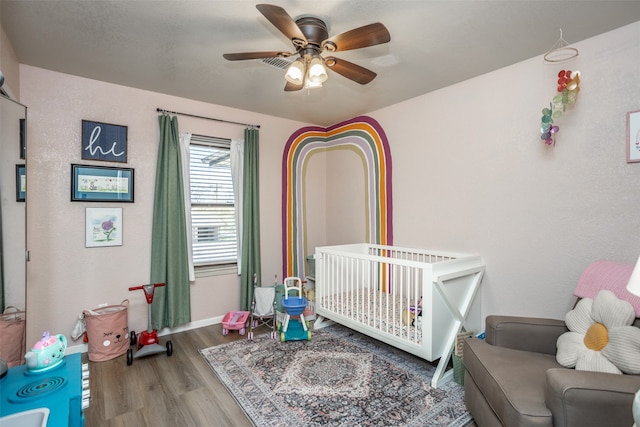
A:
175	47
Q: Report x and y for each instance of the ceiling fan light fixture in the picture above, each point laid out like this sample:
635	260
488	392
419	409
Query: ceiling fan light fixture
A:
295	72
317	71
308	84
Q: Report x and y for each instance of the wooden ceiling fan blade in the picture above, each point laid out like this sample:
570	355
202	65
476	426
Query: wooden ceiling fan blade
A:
282	21
291	87
240	56
350	70
369	35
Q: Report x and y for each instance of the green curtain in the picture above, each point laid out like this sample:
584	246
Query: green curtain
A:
250	217
169	253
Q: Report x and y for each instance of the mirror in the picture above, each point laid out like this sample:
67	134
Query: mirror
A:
13	117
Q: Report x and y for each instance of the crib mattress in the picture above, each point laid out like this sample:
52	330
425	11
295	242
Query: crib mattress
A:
376	309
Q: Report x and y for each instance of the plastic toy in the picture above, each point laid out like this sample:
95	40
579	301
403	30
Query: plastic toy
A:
147	341
294	306
235	321
47	353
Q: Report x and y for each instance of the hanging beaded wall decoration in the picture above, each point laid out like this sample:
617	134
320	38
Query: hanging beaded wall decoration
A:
567	93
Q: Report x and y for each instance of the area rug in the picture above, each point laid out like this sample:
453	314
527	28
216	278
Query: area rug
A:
338	378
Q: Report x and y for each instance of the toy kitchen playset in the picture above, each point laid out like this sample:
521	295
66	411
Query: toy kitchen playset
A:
50	390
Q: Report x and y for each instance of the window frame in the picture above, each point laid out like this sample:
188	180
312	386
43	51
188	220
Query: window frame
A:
213	268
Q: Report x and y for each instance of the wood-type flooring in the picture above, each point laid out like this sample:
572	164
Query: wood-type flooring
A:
157	390
162	391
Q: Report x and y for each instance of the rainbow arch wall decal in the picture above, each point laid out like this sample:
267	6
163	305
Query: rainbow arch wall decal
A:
366	137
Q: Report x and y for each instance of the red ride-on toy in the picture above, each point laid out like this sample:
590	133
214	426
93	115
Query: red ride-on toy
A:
147	341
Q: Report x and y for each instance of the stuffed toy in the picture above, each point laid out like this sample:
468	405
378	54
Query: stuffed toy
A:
600	336
407	317
417	318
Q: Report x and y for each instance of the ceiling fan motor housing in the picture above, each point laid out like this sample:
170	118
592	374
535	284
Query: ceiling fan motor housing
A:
314	29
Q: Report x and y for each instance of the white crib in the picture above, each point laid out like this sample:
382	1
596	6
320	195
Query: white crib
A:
368	287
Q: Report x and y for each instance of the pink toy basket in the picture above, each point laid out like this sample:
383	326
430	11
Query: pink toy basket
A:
12	336
108	331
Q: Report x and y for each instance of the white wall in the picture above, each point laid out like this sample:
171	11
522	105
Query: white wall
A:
63	276
346	206
471	174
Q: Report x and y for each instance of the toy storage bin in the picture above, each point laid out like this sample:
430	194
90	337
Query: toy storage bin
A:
108	331
458	369
311	262
12	336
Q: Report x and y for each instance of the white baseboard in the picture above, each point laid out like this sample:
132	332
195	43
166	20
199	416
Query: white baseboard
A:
83	348
80	348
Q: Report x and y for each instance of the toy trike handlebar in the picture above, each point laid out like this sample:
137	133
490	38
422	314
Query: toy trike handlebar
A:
148	290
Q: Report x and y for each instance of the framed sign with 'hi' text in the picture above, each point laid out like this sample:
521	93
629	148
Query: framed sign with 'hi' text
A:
104	141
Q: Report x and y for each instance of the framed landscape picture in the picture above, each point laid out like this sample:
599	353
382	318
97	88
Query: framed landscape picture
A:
101	184
21	183
23	138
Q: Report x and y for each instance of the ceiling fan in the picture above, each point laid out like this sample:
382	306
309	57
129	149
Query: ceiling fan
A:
310	39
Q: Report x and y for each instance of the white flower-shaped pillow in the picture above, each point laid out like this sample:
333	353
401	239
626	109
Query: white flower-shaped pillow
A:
601	337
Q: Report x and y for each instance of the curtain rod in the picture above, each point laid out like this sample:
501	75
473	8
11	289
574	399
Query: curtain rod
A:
162	110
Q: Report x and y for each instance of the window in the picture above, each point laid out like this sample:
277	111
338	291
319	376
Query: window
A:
213	224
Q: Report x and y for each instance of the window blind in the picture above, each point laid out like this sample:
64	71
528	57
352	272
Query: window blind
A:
212	203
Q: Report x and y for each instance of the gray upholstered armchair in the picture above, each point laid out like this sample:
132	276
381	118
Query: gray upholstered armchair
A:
512	377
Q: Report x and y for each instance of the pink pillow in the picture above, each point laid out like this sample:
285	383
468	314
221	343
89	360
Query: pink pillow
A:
607	275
